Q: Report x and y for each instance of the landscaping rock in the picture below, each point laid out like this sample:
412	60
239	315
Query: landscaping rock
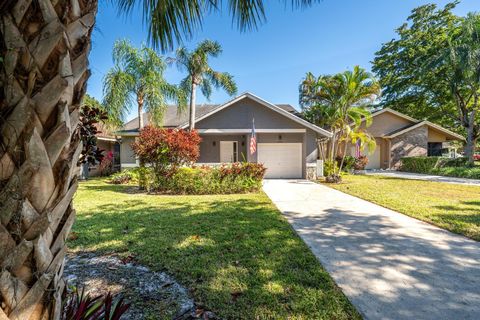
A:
152	295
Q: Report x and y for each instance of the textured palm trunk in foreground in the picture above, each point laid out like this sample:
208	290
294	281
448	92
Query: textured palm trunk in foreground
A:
44	45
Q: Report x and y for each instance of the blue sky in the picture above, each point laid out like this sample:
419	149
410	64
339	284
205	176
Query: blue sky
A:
331	36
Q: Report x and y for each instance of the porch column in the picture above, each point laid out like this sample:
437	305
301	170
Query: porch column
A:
389	153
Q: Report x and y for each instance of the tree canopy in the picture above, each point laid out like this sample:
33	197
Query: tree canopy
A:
137	78
340	103
200	74
432	70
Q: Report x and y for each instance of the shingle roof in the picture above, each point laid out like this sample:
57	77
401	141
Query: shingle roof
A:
173	118
401	129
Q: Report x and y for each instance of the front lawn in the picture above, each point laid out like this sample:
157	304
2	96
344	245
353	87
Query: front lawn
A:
450	206
236	253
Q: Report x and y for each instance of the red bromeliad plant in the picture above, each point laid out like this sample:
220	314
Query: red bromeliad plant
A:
166	149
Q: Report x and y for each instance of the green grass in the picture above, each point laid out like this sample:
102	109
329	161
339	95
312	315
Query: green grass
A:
450	206
236	253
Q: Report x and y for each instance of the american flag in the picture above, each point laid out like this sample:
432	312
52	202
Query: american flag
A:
253	139
357	148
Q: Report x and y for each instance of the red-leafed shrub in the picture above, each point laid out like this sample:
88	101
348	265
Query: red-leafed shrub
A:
166	149
105	168
360	163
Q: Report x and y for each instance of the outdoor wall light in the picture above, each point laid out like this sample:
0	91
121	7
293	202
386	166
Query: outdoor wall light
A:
243	143
279	137
214	143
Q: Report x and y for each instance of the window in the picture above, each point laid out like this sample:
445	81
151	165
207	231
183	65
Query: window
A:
434	149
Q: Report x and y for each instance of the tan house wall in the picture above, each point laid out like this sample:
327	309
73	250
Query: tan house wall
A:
436	136
385	123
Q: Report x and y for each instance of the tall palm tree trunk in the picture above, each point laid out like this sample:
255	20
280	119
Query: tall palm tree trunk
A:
44	45
141	123
193	96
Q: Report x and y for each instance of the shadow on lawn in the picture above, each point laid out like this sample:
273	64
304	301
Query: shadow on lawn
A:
391	272
237	255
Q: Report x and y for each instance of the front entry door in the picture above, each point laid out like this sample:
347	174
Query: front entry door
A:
228	151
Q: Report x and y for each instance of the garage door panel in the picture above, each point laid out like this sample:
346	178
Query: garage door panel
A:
282	160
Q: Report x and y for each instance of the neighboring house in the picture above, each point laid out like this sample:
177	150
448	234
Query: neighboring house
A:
106	141
398	135
285	142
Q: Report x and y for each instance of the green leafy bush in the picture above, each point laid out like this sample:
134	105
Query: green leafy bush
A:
460	172
348	163
131	175
329	168
231	178
123	177
419	164
450	167
452	162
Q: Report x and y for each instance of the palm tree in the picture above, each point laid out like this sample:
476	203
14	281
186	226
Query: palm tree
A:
200	74
44	47
340	103
137	77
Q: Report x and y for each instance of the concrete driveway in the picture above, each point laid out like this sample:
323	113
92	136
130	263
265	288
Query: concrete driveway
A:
389	265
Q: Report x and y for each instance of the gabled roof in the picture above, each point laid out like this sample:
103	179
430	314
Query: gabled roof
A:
423	123
269	105
173	118
414	124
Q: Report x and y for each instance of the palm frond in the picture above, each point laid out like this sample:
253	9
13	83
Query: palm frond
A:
171	21
118	87
222	80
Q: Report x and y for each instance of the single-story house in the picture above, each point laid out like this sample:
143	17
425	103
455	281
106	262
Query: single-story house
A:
398	135
286	143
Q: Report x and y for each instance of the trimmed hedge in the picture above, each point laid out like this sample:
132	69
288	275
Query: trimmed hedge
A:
228	178
419	164
450	167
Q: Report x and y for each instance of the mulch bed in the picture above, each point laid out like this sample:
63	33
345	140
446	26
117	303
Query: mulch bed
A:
152	295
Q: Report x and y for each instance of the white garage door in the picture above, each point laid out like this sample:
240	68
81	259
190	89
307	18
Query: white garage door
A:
282	160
